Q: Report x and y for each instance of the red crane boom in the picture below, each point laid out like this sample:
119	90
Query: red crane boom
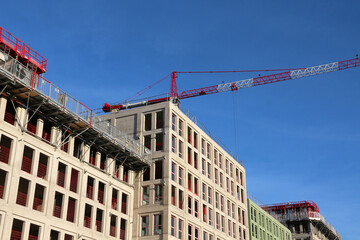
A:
234	86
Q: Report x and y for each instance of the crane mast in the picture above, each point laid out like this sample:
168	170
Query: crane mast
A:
236	85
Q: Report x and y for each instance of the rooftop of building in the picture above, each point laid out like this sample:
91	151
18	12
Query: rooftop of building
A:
21	82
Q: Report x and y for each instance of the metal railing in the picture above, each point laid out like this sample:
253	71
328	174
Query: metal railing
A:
15	70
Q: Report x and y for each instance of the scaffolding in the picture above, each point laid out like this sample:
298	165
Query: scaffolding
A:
20	81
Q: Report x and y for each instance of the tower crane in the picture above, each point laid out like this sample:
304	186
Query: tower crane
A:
236	85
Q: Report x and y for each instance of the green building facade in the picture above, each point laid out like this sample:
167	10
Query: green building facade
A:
263	226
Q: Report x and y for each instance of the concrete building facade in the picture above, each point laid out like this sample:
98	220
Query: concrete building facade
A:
64	174
194	189
262	226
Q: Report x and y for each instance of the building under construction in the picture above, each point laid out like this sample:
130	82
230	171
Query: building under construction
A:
150	172
304	220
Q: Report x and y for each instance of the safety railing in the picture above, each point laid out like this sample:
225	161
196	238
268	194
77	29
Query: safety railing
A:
58	97
22	49
329	226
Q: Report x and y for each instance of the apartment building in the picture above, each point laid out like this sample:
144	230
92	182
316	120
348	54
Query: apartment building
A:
263	226
64	173
194	189
304	220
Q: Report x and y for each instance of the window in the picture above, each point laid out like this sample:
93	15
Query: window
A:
196	208
221	179
241	178
220	160
22	193
114	199
189	182
209	170
124	199
10	112
215	157
229	227
223	223
203	166
210	216
180	149
158	194
61	174
209	195
203	146
90	188
173	122
195	160
57	212
92	157
189	134
208	151
195	139
17	228
216	176
181	176
173	226
27	159
189	205
196	233
189	232
159	141
159	120
189	156
242	195
227	166
180	229
146	175
181	197
217	222
203	191
147	141
228	208
217	200
3	175
34	231
157	224
222	203
98	223
173	170
181	126
71	210
146	195
173	144
173	195
113	220
144	225
231	170
196	186
5	146
148	122
122	229
87	216
159	169
42	167
38	198
77	148
101	190
74	180
54	235
204	213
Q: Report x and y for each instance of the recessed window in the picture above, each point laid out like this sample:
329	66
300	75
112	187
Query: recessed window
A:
147	122
159	120
144	225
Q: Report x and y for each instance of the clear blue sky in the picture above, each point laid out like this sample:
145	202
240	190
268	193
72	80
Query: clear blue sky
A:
299	139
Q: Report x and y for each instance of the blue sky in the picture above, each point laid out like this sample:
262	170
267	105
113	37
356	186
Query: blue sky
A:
299	139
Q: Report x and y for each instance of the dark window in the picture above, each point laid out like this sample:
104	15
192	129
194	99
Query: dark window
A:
122	229
42	168
87	216
147	122
113	221
34	232
3	175
5	146
101	191
90	188
159	141
74	180
103	161
158	170
58	204
9	113
22	192
61	174
39	198
114	200
16	231
54	235
146	175
31	125
124	200
71	210
77	148
147	141
99	217
92	157
159	120
46	130
26	164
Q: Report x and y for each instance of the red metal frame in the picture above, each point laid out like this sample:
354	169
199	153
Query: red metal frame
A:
22	51
309	205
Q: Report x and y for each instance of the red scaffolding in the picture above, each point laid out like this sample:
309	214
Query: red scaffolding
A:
308	205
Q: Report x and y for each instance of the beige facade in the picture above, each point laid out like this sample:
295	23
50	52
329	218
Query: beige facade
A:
194	189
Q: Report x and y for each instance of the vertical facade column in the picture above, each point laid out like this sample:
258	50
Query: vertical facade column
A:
55	135
110	165
71	145
3	102
39	127
97	159
86	153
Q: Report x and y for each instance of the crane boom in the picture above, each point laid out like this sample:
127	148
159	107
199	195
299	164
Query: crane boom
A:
251	82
